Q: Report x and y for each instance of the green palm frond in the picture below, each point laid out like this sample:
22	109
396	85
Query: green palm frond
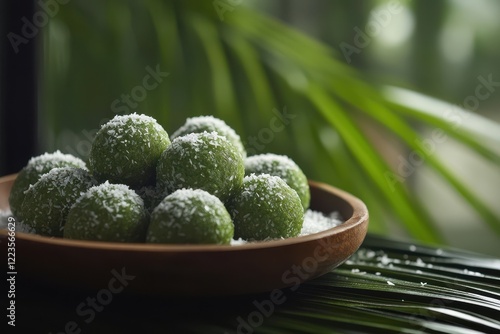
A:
245	68
386	287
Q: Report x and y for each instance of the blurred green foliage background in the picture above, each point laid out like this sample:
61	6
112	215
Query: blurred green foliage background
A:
322	68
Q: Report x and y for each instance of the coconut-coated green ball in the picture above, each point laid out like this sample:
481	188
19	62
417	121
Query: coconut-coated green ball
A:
284	167
190	216
205	161
36	167
48	201
108	212
265	207
126	150
209	123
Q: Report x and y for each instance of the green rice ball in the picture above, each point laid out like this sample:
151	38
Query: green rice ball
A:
108	212
36	167
205	161
190	216
284	167
126	150
48	201
265	207
209	123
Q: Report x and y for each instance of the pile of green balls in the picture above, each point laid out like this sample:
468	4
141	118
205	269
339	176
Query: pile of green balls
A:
140	185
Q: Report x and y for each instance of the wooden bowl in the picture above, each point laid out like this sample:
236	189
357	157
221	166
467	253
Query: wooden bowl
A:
196	270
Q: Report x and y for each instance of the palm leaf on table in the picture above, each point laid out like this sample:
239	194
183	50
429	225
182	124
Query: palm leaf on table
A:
387	287
241	65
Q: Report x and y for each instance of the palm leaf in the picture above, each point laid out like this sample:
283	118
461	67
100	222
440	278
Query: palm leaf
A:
374	166
390	286
386	287
241	69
